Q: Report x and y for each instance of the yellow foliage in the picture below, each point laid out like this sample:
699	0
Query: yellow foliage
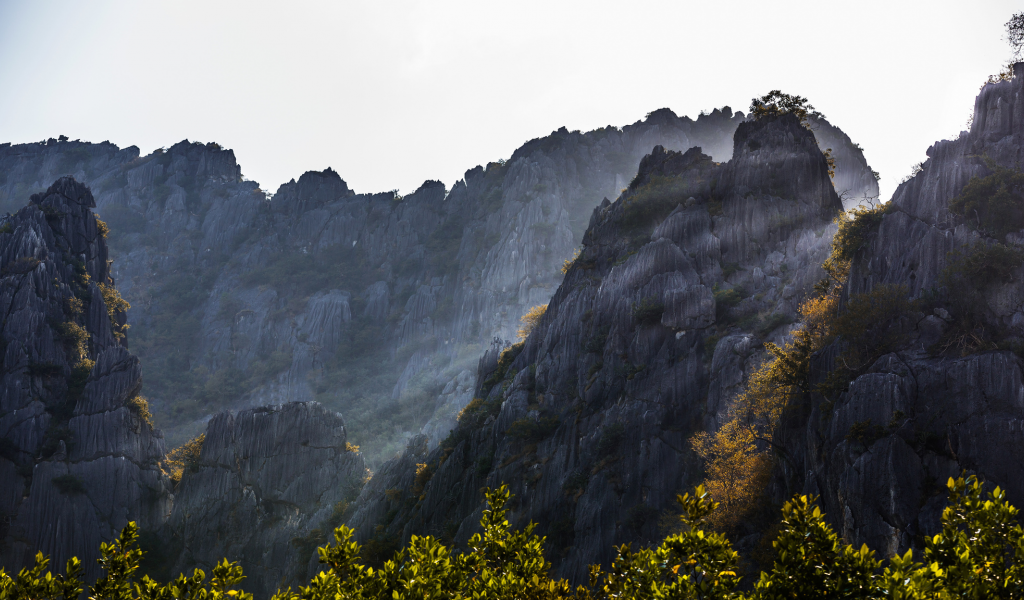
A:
737	472
140	406
530	320
115	305
568	262
102	227
351	448
185	456
77	336
738	458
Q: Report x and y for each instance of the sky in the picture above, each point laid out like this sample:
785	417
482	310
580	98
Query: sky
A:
392	93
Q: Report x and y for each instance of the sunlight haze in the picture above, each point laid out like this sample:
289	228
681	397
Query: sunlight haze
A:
390	94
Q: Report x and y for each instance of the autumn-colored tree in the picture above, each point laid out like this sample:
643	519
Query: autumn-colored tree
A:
184	457
530	320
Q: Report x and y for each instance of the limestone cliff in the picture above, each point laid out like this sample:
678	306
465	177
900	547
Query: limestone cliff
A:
948	400
375	305
270	485
79	456
643	343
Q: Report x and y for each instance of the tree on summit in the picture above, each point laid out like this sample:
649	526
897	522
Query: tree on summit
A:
1015	34
777	103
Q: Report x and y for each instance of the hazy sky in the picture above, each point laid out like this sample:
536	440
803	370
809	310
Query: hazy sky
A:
390	94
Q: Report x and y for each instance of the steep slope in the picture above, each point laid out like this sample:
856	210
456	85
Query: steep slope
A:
270	485
79	456
643	344
949	396
374	305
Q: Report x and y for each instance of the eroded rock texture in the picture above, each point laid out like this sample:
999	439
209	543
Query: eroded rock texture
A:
78	458
647	338
271	484
371	304
881	454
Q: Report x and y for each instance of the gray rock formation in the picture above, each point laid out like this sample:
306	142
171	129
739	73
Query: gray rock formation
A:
931	410
645	341
79	458
224	284
272	483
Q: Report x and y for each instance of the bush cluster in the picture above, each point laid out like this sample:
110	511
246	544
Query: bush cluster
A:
994	203
978	554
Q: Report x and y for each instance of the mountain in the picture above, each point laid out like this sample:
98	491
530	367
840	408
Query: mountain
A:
261	320
375	305
644	342
80	457
660	325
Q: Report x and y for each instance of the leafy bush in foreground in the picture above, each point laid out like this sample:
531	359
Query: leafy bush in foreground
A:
978	554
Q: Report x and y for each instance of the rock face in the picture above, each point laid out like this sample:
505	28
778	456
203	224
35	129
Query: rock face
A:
934	414
271	484
228	288
645	340
321	299
79	459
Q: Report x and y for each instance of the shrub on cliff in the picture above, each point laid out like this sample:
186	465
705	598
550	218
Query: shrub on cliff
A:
994	203
530	320
184	458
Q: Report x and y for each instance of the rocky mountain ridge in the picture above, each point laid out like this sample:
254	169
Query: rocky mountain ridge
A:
646	341
240	301
660	321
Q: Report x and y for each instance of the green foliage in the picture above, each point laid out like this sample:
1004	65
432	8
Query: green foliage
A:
655	199
865	432
648	311
978	554
38	583
811	561
533	430
855	227
611	438
994	203
508	355
964	281
776	103
79	377
726	299
871	324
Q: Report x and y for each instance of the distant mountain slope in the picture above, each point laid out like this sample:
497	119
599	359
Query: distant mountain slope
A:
375	305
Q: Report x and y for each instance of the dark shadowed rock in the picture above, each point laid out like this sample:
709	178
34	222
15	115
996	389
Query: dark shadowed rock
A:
80	460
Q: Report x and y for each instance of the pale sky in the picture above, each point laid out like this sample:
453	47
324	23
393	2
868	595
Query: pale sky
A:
390	94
